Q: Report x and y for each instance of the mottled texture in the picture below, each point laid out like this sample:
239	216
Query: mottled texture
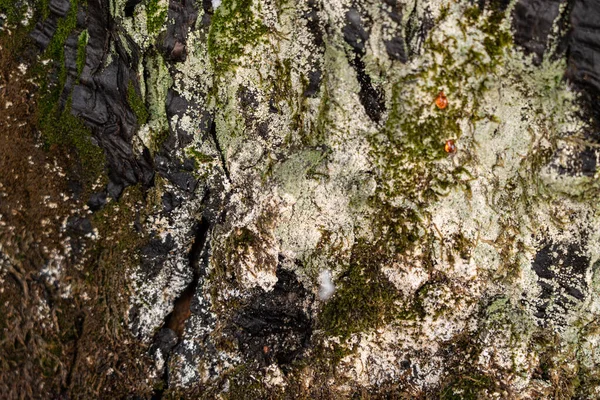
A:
262	201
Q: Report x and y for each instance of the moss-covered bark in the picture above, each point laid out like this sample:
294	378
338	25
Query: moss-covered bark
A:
212	170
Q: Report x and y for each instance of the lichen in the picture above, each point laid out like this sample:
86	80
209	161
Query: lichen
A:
156	16
430	253
233	27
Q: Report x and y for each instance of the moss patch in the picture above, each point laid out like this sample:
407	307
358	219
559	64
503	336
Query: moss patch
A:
234	27
13	10
56	48
81	51
63	129
468	387
156	15
364	298
57	124
199	157
137	104
415	133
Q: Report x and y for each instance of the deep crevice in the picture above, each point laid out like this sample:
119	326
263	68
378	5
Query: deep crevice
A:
181	308
130	7
356	34
176	319
79	325
213	134
372	99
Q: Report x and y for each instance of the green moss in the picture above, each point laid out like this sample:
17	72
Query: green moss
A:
199	157
408	151
137	104
156	16
468	388
233	27
13	10
444	12
409	147
282	83
55	50
63	129
494	44
81	51
472	13
159	138
56	123
497	38
364	297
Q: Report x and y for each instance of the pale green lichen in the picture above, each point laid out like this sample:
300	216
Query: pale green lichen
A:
149	106
417	240
233	27
298	167
156	15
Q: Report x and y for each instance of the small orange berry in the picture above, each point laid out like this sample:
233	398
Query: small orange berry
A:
450	147
441	101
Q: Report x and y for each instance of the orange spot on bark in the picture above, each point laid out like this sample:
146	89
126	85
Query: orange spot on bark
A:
441	101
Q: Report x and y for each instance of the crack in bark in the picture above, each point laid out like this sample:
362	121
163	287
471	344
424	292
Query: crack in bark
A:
213	134
177	318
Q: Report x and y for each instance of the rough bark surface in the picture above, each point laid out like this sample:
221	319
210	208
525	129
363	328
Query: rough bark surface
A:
248	199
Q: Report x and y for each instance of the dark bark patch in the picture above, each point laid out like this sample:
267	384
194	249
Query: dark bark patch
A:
274	327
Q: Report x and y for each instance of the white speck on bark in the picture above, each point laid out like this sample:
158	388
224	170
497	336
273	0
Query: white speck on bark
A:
326	286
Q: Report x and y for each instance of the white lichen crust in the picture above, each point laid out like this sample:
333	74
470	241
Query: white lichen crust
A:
502	244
